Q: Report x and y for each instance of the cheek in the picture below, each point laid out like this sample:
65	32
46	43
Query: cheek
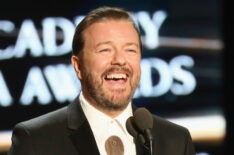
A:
136	65
96	66
136	72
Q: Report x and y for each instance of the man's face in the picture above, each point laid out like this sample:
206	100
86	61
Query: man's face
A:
110	64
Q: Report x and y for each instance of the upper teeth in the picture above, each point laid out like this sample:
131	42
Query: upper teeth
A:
116	76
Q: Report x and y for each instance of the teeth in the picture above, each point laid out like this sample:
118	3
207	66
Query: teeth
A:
116	76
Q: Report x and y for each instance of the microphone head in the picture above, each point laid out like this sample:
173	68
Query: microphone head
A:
130	127
132	130
143	119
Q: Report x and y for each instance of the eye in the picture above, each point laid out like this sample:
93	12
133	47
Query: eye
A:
131	50
104	50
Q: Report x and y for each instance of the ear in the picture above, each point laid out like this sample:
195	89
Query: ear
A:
76	62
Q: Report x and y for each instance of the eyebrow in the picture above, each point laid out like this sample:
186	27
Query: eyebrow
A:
132	43
101	43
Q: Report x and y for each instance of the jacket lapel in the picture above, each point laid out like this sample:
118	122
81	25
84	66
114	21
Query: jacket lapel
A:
80	132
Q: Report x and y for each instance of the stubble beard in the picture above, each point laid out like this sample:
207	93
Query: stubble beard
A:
108	100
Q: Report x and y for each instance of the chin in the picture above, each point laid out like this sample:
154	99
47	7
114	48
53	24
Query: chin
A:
120	97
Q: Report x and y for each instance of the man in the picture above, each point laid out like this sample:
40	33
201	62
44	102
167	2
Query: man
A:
106	58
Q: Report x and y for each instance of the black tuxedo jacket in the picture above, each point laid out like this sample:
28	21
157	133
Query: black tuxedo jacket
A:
67	132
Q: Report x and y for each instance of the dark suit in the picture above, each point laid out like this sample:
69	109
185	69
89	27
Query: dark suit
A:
67	132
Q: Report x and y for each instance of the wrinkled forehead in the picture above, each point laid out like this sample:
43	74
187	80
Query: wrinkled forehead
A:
108	20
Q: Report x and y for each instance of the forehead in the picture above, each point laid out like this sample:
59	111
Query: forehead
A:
109	29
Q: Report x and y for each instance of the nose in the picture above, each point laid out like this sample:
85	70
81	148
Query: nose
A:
118	58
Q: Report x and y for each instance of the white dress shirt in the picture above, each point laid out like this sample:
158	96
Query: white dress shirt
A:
104	126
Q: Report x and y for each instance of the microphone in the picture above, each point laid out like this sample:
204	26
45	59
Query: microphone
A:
144	121
132	130
139	126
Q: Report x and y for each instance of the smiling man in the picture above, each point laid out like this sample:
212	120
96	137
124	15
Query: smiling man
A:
106	58
109	64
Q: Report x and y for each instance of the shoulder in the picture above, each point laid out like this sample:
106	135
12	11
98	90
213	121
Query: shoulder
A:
171	138
34	133
166	128
52	119
52	122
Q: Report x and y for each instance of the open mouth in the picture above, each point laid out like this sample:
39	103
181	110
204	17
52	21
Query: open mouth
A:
116	77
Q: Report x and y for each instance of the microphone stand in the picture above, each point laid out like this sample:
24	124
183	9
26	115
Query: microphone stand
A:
150	138
151	147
